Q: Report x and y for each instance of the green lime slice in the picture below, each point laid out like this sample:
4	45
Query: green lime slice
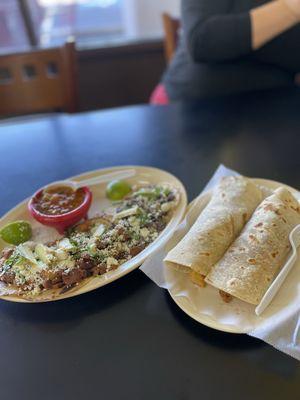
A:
16	232
116	190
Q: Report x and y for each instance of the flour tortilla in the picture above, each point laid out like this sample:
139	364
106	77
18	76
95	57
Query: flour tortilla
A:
233	201
254	259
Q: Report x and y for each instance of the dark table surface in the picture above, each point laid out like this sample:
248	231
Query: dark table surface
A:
128	340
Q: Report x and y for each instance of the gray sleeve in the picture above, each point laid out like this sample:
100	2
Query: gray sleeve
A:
213	32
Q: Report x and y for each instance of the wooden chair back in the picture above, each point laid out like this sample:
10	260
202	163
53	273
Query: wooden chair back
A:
171	29
41	80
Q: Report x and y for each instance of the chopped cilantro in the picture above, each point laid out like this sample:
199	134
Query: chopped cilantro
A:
12	260
144	219
99	258
166	191
135	236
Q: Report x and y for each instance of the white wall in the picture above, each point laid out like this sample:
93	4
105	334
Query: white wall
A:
142	18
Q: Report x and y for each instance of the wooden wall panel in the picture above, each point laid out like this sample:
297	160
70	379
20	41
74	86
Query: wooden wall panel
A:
118	76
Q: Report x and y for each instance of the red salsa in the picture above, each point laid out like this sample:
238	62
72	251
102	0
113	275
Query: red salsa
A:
59	200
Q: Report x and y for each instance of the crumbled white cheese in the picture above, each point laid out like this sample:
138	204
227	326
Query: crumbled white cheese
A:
144	232
134	222
111	261
167	206
27	272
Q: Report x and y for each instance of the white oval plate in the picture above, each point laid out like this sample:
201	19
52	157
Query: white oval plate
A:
143	175
205	304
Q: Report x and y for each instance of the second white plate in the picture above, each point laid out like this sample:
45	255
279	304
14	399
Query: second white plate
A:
205	304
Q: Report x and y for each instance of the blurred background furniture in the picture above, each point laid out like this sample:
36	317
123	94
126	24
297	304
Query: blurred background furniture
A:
171	30
119	43
39	80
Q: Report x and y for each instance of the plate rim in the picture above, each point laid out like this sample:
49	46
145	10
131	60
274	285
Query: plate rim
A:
206	320
118	273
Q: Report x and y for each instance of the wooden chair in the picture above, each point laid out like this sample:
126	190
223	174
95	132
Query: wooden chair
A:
171	29
41	80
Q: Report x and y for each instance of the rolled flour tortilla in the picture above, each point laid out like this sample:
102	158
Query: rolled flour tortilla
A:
232	203
254	259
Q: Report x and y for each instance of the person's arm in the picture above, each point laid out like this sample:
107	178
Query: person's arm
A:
214	33
271	19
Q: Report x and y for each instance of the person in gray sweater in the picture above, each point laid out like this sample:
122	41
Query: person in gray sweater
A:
230	46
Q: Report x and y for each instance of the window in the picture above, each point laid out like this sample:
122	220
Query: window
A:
12	29
86	20
90	22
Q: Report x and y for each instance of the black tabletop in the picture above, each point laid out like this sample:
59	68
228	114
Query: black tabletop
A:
128	340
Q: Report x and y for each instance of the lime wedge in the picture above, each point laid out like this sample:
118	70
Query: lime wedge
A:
16	232
116	190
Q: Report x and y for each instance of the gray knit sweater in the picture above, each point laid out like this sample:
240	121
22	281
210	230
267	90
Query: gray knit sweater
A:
214	55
